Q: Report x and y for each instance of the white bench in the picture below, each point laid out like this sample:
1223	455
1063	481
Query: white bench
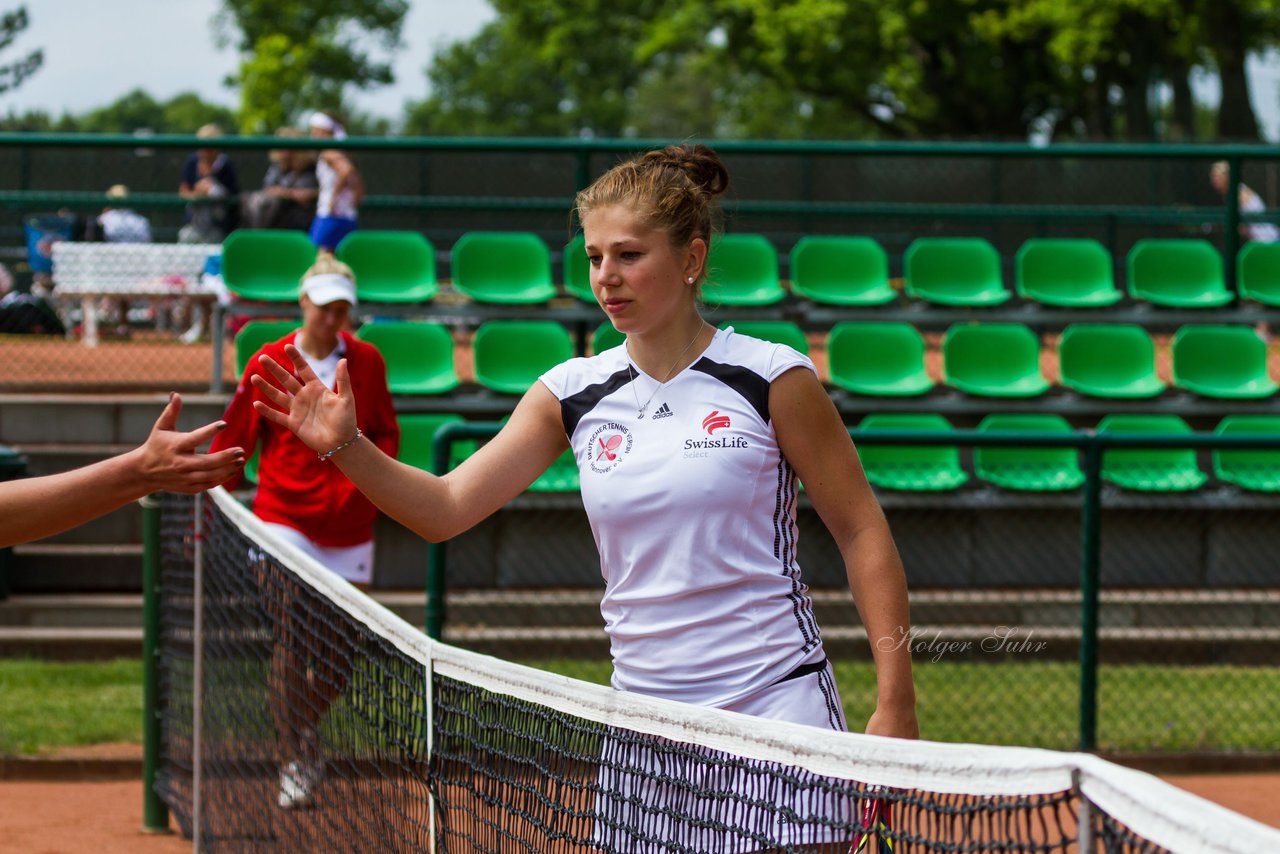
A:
89	271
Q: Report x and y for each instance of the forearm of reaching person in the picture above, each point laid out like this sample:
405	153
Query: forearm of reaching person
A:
169	460
36	507
438	508
434	507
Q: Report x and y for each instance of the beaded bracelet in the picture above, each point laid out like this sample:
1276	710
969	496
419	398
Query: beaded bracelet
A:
325	456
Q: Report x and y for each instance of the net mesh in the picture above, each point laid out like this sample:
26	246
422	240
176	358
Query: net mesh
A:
325	723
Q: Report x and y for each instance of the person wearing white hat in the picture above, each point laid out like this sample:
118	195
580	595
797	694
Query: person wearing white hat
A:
310	503
341	187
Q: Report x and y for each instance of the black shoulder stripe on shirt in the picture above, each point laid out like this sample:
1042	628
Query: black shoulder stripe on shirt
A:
753	387
575	406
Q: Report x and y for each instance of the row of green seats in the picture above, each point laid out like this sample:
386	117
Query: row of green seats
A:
514	268
875	359
392	266
938	468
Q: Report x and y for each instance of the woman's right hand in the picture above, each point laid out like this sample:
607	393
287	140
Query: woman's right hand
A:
322	419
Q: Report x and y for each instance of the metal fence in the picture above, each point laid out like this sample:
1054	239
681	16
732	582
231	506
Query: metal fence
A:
162	337
1095	617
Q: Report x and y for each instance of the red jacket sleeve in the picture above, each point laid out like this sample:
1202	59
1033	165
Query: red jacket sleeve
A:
244	424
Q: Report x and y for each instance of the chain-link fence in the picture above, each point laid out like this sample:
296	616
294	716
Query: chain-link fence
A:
1132	621
148	312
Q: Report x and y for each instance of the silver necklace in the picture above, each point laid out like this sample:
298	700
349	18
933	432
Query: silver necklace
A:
641	407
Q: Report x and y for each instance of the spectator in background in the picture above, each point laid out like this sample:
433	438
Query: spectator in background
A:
1250	202
289	190
341	187
208	174
120	224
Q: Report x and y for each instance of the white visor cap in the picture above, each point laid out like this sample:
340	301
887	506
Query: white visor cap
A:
329	287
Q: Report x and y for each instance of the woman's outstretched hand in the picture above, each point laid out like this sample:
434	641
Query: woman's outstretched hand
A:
322	419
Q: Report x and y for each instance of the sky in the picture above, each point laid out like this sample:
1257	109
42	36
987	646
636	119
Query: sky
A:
96	51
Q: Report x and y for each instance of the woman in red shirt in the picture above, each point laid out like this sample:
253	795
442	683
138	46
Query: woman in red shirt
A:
311	504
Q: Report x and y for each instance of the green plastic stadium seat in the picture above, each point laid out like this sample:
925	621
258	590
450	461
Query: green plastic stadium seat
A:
419	355
1177	273
1256	469
742	270
1114	360
1215	360
839	270
504	267
1066	272
562	476
251	466
777	331
1028	469
919	468
390	266
417	429
266	263
880	359
606	337
961	271
510	355
1258	272
577	270
1153	469
255	333
993	360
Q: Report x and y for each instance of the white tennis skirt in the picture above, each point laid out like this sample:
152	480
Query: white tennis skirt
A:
354	563
656	795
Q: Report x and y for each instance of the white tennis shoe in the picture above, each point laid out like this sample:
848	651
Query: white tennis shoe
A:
298	783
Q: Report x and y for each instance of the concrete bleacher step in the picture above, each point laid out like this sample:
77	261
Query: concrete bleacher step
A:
88	419
101	567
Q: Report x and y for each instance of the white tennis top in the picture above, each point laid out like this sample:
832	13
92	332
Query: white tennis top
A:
693	510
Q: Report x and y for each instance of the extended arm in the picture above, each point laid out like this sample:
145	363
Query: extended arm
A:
37	507
434	507
814	440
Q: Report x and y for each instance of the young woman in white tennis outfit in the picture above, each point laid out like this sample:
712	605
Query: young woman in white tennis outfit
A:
690	441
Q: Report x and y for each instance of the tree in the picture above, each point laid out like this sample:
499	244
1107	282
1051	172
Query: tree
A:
491	85
184	113
548	67
304	54
13	74
988	69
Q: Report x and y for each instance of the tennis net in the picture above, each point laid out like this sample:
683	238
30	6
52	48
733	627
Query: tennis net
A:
299	715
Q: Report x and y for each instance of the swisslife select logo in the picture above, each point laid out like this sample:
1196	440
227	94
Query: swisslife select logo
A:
714	421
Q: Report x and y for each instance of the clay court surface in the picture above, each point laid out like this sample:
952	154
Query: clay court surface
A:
106	817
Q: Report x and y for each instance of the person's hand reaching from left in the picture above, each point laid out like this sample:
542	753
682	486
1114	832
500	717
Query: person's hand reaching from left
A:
322	419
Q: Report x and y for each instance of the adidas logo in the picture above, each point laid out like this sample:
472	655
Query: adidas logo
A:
664	411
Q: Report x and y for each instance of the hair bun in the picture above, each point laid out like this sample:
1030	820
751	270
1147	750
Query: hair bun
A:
699	162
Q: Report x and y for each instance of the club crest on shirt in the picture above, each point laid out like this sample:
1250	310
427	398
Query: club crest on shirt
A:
610	443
